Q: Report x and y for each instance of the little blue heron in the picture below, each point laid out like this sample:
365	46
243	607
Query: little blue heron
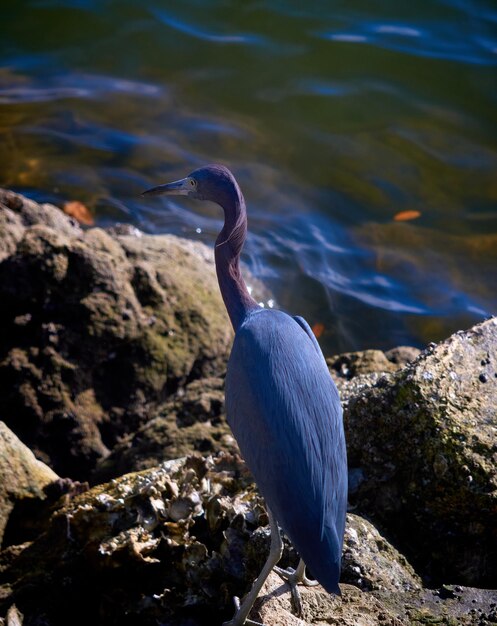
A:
281	405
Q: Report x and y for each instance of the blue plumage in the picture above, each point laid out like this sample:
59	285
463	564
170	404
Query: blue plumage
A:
284	410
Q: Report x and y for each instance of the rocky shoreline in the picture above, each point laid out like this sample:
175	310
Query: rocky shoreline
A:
112	357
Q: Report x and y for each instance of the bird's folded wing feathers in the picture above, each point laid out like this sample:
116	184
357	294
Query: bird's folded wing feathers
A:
285	413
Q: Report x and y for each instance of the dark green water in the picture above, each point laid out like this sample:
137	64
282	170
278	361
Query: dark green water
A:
334	117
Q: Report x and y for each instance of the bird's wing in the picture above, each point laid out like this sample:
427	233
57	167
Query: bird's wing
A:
285	413
327	488
305	326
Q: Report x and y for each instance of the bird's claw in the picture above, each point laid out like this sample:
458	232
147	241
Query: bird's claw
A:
288	575
294	577
235	622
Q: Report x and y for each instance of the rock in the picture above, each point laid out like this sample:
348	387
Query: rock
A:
351	364
14	617
98	330
467	607
12	230
424	439
354	608
163	545
402	355
22	476
353	372
193	420
171	544
371	563
29	213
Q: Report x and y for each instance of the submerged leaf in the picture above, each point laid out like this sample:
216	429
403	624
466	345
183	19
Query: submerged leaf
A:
318	329
405	216
79	211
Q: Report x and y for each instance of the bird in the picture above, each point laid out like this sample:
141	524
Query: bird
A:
281	405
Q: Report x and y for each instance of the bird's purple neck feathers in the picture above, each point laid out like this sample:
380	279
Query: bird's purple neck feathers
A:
229	245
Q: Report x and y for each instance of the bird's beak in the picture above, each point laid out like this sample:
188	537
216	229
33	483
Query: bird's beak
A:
177	188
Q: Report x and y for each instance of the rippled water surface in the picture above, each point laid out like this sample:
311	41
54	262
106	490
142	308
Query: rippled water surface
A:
334	117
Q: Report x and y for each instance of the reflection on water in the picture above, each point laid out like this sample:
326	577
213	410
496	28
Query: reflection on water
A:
333	119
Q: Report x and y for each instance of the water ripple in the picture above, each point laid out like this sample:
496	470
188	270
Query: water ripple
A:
76	86
17	95
189	28
433	40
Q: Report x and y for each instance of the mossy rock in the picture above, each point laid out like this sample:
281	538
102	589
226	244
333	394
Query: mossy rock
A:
193	420
98	330
424	439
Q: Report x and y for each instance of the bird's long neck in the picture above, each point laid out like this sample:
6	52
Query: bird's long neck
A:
229	244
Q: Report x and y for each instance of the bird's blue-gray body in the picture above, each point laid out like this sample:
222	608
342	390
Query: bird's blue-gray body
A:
281	403
285	413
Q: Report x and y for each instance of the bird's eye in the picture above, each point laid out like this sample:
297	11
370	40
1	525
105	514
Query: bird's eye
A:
192	182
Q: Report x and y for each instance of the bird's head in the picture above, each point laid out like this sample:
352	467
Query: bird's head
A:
212	182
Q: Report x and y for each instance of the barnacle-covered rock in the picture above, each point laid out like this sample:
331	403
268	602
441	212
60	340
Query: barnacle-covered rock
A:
171	544
143	548
422	447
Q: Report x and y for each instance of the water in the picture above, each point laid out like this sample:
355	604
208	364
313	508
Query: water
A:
334	117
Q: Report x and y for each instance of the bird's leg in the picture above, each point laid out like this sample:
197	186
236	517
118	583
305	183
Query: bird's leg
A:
275	553
294	577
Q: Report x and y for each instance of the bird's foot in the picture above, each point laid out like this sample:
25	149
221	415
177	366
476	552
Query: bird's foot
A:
294	577
238	619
